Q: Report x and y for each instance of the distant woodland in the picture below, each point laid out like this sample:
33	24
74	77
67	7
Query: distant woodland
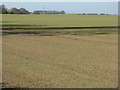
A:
4	10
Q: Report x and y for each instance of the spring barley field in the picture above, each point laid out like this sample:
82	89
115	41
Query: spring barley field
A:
60	51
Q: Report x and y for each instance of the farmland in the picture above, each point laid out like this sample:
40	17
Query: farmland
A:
60	51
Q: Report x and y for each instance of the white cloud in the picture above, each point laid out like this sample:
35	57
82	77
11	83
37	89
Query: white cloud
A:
60	0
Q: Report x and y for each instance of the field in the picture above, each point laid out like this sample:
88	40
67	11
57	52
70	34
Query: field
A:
60	51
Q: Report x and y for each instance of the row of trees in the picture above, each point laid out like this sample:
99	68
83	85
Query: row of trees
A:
93	14
48	12
4	10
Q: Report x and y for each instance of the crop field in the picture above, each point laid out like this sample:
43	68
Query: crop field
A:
60	51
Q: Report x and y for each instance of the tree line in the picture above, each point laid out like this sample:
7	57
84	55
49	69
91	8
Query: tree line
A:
4	10
93	14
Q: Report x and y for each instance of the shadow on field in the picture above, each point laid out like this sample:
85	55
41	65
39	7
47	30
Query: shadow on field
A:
45	30
31	32
53	33
10	25
17	88
38	27
4	87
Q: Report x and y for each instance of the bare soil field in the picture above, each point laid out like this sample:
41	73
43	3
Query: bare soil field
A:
61	61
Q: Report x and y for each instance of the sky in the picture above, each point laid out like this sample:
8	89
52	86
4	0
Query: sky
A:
60	0
68	7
